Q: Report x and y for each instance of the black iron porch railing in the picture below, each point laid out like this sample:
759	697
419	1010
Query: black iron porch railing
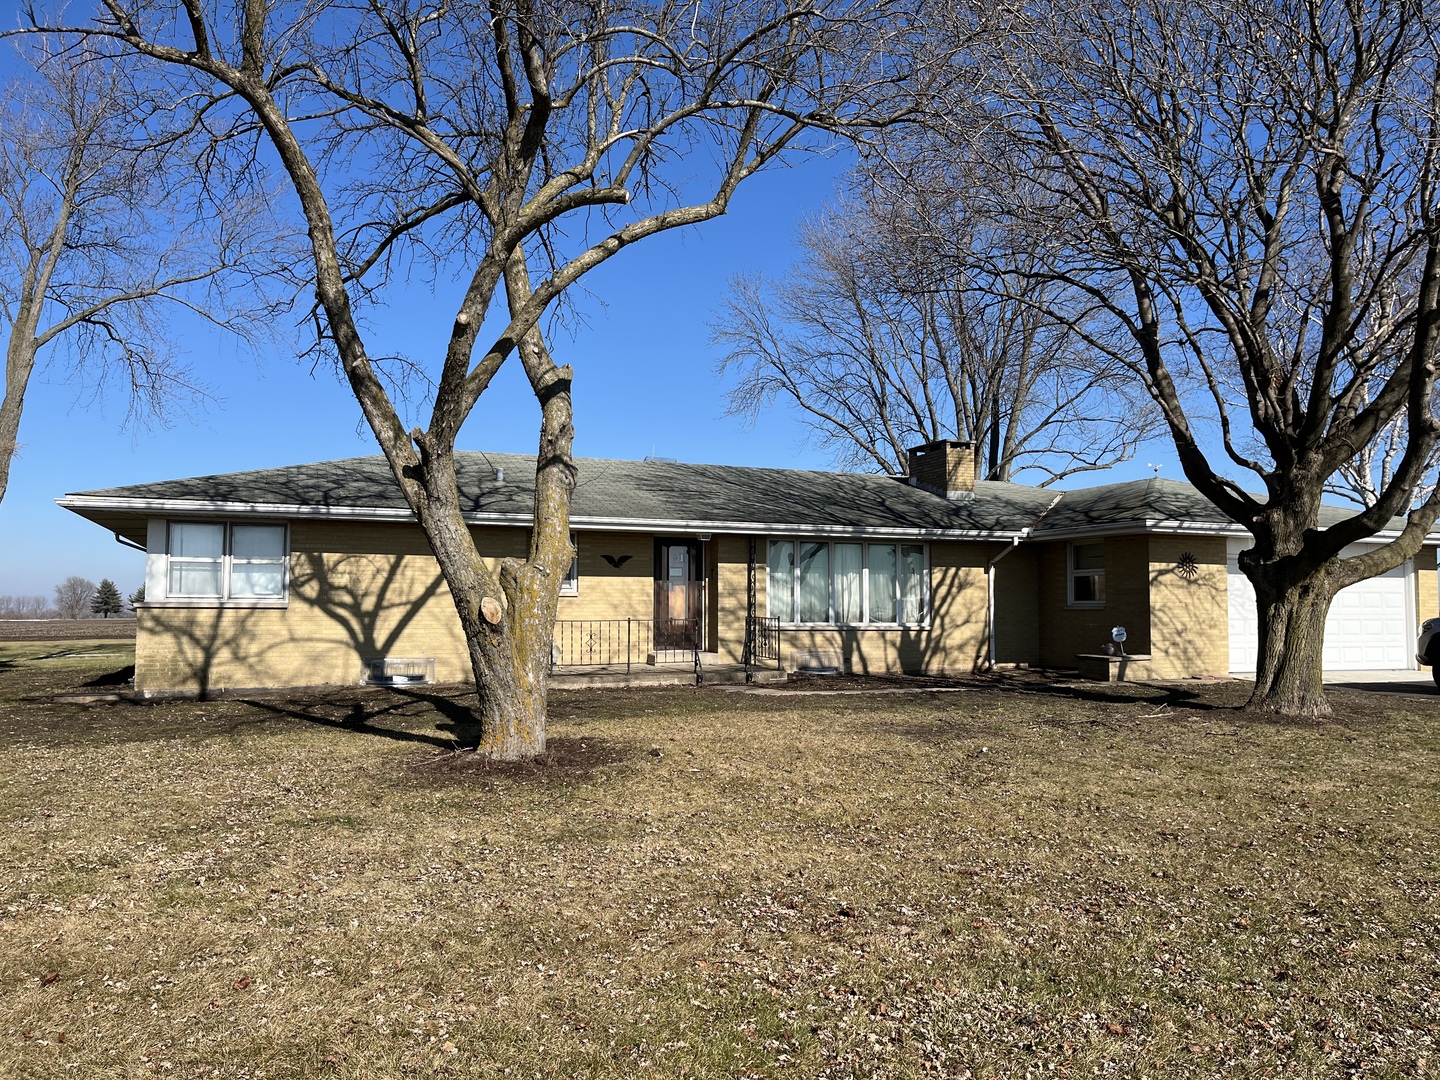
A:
621	644
762	643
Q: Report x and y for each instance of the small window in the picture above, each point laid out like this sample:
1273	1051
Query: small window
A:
197	554
780	580
257	567
1087	574
570	585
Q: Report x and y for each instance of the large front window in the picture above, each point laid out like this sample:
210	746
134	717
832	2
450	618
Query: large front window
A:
215	561
847	583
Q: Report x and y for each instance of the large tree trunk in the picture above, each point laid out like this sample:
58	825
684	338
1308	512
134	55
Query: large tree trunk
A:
509	620
1292	609
501	634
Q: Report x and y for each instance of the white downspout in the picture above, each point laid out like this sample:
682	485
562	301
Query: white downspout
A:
1015	541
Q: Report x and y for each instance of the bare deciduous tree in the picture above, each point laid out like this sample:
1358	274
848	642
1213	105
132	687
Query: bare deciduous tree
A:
1253	201
896	328
518	145
23	607
98	236
73	596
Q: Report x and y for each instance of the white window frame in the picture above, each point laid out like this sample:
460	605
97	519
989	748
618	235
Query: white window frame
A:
171	561
865	622
570	583
1071	574
227	564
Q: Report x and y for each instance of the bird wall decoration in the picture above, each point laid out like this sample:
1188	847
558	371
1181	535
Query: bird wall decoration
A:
617	561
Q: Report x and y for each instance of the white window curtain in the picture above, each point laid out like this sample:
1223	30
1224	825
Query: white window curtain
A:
780	581
196	554
258	553
848	597
882	583
847	583
912	558
814	583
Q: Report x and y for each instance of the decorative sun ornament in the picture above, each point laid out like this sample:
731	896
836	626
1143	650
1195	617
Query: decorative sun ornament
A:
1187	567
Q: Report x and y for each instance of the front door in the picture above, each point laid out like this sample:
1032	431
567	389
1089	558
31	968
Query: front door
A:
679	593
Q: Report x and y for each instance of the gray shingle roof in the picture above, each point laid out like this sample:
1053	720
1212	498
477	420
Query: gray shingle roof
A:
1115	506
708	496
641	491
1109	505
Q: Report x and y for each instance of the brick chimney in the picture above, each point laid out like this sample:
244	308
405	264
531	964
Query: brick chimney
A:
944	467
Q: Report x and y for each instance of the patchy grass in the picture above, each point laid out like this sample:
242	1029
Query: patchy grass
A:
1005	881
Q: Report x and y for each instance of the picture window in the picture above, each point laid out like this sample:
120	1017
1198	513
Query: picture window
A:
218	561
817	583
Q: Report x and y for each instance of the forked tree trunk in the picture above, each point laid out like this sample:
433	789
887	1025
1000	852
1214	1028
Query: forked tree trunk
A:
1288	672
508	629
509	619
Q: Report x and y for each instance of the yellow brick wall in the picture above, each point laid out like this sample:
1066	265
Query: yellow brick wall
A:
1017	607
729	562
589	622
1427	586
1190	616
365	590
609	592
357	591
1066	631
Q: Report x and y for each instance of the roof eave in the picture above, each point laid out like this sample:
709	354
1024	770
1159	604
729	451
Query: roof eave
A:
81	503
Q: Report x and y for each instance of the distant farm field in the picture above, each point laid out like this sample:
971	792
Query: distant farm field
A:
65	629
1009	880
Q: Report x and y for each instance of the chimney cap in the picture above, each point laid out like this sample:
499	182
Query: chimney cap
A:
943	444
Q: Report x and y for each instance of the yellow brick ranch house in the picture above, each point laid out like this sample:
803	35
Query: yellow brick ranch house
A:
315	575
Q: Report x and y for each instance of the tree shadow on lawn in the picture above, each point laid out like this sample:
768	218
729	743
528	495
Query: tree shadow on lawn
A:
360	716
564	758
119	677
1223	701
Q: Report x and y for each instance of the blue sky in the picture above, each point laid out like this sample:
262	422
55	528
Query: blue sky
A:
645	381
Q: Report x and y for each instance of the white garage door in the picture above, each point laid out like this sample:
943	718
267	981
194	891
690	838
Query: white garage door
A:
1371	625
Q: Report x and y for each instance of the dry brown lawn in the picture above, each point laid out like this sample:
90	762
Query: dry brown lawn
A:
1013	880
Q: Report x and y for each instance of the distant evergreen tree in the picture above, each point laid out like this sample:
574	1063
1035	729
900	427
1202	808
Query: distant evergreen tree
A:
136	598
107	599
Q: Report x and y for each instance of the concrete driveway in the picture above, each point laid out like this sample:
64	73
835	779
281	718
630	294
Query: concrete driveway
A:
1410	683
1419	684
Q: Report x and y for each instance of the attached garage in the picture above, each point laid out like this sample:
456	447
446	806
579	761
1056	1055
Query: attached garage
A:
1371	625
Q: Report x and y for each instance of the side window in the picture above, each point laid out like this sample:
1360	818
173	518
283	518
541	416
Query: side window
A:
570	586
913	584
214	561
197	552
257	568
1087	573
